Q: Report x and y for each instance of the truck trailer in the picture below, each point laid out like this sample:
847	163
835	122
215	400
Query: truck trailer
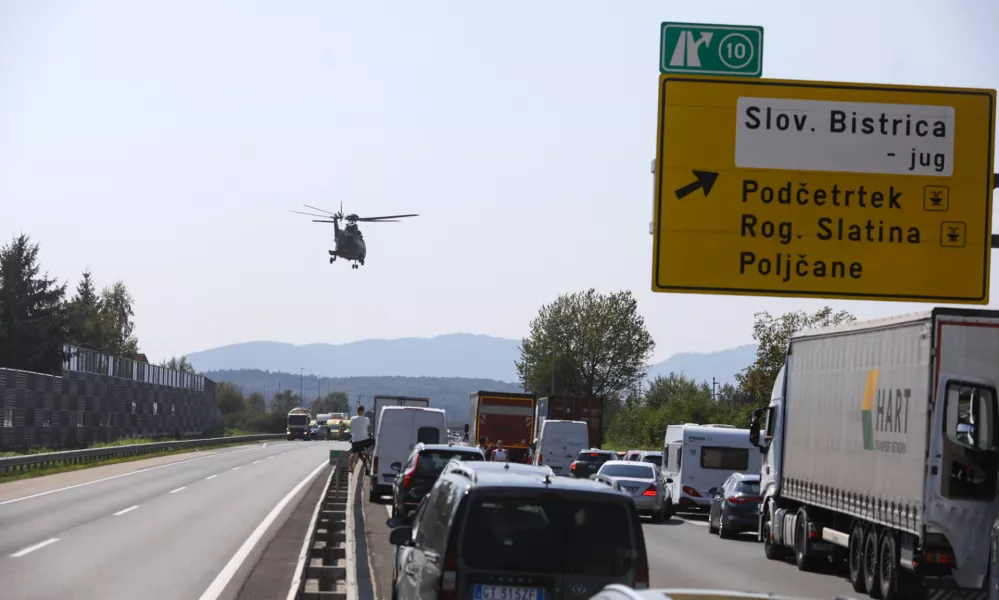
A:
506	416
590	410
879	450
381	402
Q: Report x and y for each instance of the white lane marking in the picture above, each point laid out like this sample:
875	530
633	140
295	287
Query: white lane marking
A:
127	510
255	462
271	456
264	445
21	553
211	477
178	490
388	510
698	523
181	462
225	576
236	468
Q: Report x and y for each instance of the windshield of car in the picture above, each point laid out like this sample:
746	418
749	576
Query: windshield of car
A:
655	459
638	471
529	534
750	488
298	420
593	457
438	459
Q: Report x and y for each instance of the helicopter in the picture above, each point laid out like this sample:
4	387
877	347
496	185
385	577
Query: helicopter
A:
348	242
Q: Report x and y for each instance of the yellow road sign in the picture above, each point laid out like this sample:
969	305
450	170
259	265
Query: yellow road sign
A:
810	189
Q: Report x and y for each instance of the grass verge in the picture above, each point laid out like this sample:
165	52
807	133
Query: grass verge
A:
66	468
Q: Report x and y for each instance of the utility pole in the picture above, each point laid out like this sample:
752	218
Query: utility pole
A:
301	386
713	384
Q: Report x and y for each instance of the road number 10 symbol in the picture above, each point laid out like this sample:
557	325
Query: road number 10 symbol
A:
735	50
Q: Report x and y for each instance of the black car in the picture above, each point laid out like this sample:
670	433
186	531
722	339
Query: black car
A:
421	470
588	462
492	530
735	505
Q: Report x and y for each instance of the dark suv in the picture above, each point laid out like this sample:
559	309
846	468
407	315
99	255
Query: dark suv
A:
421	470
507	531
588	462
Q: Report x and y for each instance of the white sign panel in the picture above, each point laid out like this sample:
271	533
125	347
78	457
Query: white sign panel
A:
846	137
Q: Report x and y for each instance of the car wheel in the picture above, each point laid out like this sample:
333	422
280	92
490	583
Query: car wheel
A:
657	517
668	509
711	524
722	532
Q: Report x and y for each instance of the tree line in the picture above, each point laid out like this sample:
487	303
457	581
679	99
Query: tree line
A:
593	344
37	317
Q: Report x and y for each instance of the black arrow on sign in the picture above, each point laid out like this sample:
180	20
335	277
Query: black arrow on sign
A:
705	180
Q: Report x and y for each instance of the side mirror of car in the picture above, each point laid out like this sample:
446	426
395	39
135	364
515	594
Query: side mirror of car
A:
396	466
713	491
395	522
401	536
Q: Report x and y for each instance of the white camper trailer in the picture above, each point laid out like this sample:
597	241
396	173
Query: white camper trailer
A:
697	458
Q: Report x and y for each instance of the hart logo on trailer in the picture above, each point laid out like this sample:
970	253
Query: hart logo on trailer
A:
885	411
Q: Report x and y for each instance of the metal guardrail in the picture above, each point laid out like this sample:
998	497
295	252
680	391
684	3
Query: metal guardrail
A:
31	461
326	563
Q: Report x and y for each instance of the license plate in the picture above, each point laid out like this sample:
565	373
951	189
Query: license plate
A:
388	477
506	592
557	469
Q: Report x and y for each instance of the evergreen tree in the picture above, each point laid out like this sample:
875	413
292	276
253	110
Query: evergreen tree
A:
85	327
32	314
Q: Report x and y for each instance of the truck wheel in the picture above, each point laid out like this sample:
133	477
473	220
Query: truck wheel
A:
802	558
856	559
772	550
888	565
872	570
373	495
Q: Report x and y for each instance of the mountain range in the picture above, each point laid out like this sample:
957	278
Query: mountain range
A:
458	355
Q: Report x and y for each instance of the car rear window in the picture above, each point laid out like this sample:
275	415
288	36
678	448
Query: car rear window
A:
656	460
751	488
638	471
438	459
551	534
597	457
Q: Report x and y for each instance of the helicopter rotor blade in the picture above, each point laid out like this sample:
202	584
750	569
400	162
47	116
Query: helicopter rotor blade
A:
298	212
322	210
320	221
374	219
379	221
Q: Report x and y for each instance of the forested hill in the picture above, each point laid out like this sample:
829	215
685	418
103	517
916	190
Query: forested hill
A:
449	393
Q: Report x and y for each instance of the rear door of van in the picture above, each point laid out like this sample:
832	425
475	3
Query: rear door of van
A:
393	445
553	449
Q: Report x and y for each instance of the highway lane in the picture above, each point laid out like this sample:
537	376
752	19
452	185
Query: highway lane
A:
683	554
164	533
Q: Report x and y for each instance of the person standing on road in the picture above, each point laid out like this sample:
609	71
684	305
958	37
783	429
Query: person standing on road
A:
360	440
499	454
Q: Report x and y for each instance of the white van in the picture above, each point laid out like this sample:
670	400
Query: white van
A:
400	428
559	443
697	458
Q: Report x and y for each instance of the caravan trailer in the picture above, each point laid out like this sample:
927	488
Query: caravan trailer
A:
697	458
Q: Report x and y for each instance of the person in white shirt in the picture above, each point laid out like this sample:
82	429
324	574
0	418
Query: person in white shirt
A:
360	441
500	452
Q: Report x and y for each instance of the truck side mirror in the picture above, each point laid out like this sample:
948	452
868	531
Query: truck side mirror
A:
754	428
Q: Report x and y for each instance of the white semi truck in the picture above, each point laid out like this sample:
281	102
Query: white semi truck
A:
879	449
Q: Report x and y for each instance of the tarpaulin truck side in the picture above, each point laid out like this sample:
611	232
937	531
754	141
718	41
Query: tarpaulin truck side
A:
503	416
590	410
879	448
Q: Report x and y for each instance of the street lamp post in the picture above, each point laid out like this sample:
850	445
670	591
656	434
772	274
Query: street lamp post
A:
301	385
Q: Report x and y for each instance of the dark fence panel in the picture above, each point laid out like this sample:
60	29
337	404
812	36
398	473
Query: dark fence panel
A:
89	404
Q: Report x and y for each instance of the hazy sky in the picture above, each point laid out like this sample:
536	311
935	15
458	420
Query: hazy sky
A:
163	143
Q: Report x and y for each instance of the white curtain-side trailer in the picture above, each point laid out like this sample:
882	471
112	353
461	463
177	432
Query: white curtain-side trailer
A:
879	449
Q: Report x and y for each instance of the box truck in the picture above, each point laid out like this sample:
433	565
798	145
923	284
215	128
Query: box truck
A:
590	410
506	416
879	450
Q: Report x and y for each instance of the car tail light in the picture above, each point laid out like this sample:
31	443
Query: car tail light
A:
541	459
449	577
407	477
736	500
374	465
642	573
691	492
572	467
651	491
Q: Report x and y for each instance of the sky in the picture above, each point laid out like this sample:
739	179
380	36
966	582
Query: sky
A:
163	143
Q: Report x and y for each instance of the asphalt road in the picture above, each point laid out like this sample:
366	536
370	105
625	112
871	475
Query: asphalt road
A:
682	554
185	528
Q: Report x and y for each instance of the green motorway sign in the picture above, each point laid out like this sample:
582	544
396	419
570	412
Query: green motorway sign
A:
703	49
